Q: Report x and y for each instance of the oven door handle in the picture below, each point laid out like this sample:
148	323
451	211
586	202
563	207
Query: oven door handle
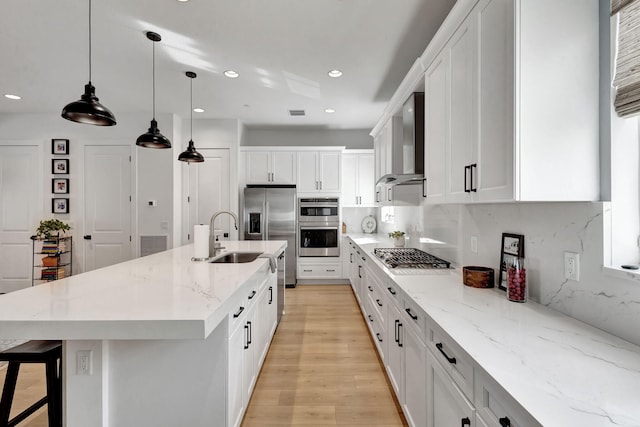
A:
320	227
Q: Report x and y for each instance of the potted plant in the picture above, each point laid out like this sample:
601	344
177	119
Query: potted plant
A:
398	238
50	228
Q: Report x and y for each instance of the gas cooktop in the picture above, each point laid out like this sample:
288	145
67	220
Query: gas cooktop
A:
409	258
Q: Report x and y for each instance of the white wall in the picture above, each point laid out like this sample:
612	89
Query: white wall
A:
352	139
606	302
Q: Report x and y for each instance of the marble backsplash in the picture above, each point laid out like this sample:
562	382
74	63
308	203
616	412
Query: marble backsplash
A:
550	229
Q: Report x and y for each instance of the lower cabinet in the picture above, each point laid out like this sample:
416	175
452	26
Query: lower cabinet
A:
447	404
319	268
251	327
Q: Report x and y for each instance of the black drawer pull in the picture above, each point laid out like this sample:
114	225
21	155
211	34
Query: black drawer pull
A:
270	294
236	315
252	294
408	310
395	330
378	336
465	422
246	337
451	360
379	303
370	318
370	288
250	332
330	271
391	291
505	422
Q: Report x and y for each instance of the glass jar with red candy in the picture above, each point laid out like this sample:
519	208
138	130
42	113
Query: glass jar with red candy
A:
517	289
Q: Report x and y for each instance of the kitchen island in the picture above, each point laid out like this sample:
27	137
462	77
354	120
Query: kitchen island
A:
145	341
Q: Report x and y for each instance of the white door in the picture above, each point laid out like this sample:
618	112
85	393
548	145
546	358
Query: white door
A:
330	168
366	184
258	167
107	198
349	180
283	167
436	132
307	176
20	212
209	192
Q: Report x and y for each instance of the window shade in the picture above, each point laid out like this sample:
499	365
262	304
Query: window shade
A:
627	70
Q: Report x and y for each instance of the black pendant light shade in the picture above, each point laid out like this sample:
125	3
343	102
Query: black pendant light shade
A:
190	155
88	108
153	138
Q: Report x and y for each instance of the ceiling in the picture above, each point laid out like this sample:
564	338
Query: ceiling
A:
282	50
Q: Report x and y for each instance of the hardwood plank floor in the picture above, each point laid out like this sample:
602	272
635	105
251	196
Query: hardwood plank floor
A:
322	369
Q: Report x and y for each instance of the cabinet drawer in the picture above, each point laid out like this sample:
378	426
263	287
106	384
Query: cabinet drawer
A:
392	291
415	316
376	326
495	407
374	291
454	360
319	271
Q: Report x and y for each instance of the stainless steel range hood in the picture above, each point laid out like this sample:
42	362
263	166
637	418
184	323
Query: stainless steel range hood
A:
409	169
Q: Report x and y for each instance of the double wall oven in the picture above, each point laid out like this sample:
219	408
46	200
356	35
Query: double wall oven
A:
319	227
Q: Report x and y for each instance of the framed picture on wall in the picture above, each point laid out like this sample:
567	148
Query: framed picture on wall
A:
59	206
512	248
59	146
60	166
60	185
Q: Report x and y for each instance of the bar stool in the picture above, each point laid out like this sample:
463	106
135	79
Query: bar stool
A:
36	351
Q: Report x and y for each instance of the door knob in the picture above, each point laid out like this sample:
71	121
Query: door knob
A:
87	237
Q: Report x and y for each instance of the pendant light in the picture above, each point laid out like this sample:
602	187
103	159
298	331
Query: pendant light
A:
190	155
153	138
88	108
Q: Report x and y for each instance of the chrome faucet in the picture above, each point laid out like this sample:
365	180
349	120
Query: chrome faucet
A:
216	246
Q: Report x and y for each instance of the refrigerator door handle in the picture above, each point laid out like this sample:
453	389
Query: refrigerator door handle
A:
265	236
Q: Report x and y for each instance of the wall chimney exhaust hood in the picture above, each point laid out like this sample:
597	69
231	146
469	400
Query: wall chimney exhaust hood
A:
409	168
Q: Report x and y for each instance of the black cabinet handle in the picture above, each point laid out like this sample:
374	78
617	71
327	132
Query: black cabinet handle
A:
252	294
451	360
395	330
424	188
87	237
400	335
379	303
505	422
250	332
246	337
370	288
391	291
475	165
351	257
370	318
413	316
466	188
378	336
270	294
236	315
359	275
465	422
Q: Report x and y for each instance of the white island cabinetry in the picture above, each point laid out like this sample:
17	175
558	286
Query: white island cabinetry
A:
165	347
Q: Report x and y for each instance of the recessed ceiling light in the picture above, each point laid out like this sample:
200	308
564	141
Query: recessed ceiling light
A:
183	1
231	74
329	110
198	110
334	73
9	96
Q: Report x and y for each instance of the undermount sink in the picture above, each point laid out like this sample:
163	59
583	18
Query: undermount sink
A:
236	257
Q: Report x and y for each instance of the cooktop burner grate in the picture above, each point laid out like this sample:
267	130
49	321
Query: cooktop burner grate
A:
409	258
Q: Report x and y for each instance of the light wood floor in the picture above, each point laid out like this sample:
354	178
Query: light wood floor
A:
322	369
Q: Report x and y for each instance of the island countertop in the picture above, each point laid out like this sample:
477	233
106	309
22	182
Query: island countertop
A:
160	296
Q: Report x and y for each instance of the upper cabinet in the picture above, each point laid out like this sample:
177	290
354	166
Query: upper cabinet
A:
383	146
358	186
513	100
319	171
270	167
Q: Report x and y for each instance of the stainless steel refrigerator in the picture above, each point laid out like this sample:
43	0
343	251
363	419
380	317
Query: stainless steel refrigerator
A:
269	213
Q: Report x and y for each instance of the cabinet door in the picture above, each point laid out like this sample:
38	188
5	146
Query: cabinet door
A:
330	167
349	180
415	378
446	404
283	167
462	99
236	362
258	167
307	175
436	131
394	355
249	357
262	326
366	184
495	101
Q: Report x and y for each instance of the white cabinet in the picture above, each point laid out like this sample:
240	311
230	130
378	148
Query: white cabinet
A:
446	404
319	171
515	125
270	167
358	185
267	318
393	361
384	148
319	268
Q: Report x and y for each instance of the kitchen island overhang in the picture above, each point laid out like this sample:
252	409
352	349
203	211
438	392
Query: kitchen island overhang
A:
156	328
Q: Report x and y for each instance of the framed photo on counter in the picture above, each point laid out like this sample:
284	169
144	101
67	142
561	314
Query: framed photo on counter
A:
512	248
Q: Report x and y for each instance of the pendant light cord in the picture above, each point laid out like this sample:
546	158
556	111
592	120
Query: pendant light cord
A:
89	41
191	81
154	79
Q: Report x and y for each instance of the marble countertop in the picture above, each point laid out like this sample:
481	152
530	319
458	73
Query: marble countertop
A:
160	296
562	371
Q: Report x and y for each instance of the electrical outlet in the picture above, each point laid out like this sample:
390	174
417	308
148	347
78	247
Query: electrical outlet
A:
474	244
83	362
572	266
